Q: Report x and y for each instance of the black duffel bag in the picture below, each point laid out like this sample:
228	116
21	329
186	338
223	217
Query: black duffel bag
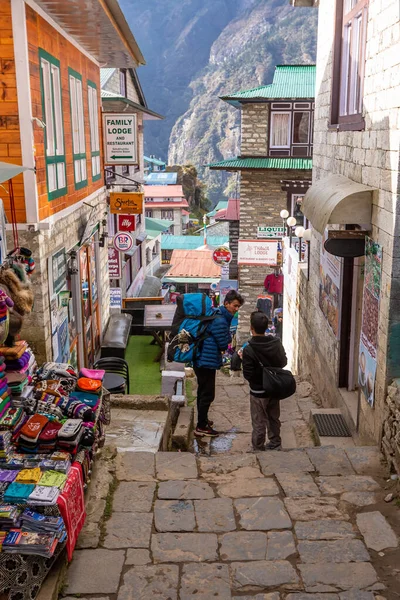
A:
278	383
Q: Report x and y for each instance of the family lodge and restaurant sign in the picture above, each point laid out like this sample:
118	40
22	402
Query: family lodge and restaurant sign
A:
120	139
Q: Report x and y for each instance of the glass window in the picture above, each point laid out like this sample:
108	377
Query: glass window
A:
167	214
149	213
50	84
122	82
301	127
280	130
94	129
78	129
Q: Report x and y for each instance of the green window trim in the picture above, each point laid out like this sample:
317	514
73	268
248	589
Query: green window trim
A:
78	156
53	159
94	153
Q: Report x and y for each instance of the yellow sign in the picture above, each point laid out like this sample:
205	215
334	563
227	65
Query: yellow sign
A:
126	203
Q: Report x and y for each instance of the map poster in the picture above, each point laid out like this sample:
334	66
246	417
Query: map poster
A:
330	271
367	359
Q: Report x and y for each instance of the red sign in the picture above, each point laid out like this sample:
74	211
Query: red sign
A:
126	222
222	256
114	264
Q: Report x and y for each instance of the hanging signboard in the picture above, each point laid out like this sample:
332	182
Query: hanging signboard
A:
329	287
367	359
115	298
127	203
58	270
126	222
120	139
114	264
123	242
277	231
225	286
257	252
222	256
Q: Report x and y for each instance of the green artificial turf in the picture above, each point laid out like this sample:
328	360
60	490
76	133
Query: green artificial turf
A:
144	365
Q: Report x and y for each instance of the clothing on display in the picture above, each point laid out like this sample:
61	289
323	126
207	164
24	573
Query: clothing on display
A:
265	305
273	283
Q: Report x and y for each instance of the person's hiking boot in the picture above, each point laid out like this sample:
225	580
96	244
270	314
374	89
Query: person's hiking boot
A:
272	446
205	431
210	423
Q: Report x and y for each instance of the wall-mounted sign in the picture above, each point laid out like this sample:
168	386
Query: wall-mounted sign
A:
222	256
257	252
126	222
115	298
120	139
58	270
123	241
277	231
127	203
114	264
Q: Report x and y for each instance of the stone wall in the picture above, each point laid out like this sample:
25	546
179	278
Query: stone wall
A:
261	201
233	245
391	428
370	157
65	233
254	130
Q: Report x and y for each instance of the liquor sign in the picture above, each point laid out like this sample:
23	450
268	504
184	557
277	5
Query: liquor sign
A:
126	222
115	298
222	256
277	231
123	242
114	264
127	203
120	139
257	252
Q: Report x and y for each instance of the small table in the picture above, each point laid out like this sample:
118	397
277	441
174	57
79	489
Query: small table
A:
113	381
158	326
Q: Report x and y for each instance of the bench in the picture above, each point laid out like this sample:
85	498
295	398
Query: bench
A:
116	336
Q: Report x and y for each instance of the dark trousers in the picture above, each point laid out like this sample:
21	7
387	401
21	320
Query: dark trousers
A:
205	393
265	413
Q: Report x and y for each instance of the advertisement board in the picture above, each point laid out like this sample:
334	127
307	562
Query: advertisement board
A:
126	223
275	231
258	252
330	271
120	139
114	264
123	241
222	256
115	298
127	203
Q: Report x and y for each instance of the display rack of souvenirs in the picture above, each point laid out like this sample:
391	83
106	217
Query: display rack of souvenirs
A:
52	422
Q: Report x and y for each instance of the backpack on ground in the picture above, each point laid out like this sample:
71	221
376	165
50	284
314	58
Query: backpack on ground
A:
193	315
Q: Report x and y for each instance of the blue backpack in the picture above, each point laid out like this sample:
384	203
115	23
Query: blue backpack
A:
193	315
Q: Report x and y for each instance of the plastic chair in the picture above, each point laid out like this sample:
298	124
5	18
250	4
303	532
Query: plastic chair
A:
115	366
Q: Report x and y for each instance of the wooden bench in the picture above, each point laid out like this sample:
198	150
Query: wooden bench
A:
116	336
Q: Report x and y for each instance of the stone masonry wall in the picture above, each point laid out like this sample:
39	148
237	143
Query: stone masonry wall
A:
64	233
233	245
254	127
370	157
261	201
391	428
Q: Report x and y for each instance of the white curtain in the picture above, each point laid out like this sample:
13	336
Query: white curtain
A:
280	130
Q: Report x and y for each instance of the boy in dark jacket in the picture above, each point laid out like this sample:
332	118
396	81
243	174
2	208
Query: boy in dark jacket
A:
209	360
265	412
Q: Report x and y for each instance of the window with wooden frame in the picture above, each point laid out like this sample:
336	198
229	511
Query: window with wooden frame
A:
122	82
78	129
349	64
167	214
50	84
280	130
125	169
149	213
94	129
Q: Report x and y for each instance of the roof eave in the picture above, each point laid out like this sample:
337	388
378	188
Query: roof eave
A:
124	30
151	115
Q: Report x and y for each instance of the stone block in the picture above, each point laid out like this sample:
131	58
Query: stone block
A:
204	581
335	551
330	461
280	545
311	509
185	490
184	547
349	483
183	428
325	529
243	545
134	496
137	557
243	488
215	515
338	576
135	466
175	465
297	484
128	530
262	514
254	575
168	381
174	515
292	461
137	402
95	572
366	460
376	531
151	581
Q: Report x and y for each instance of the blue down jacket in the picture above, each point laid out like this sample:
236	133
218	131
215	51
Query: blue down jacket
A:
209	355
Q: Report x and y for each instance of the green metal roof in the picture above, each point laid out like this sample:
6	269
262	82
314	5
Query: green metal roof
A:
290	81
154	161
105	75
156	226
242	163
221	204
191	242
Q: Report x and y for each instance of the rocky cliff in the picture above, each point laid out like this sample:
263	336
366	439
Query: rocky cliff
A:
197	50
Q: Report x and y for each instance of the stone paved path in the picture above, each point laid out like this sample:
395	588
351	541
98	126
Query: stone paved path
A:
301	524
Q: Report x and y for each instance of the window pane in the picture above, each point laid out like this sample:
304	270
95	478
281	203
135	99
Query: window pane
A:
280	130
83	169
96	122
91	117
81	125
55	71
61	175
74	115
51	178
48	108
77	168
345	70
301	123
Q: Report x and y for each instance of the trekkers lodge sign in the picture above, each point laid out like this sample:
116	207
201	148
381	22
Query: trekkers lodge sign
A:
126	203
257	252
120	139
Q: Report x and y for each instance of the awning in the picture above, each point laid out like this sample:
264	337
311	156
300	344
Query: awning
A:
8	171
337	200
151	287
115	103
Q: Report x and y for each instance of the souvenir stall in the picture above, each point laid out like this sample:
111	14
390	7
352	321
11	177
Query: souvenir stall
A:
52	421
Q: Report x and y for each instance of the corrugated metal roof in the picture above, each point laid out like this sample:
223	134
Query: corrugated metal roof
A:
191	242
193	264
290	81
239	164
156	226
105	75
162	178
231	212
154	161
163	191
219	206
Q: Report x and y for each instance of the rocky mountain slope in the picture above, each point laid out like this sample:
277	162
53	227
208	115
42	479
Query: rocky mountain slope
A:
197	50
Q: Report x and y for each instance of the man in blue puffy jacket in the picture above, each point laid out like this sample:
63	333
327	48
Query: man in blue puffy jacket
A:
209	360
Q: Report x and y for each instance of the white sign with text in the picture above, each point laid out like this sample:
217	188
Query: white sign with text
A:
120	139
257	252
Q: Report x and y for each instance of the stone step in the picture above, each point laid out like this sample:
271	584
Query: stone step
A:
136	430
183	429
322	440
